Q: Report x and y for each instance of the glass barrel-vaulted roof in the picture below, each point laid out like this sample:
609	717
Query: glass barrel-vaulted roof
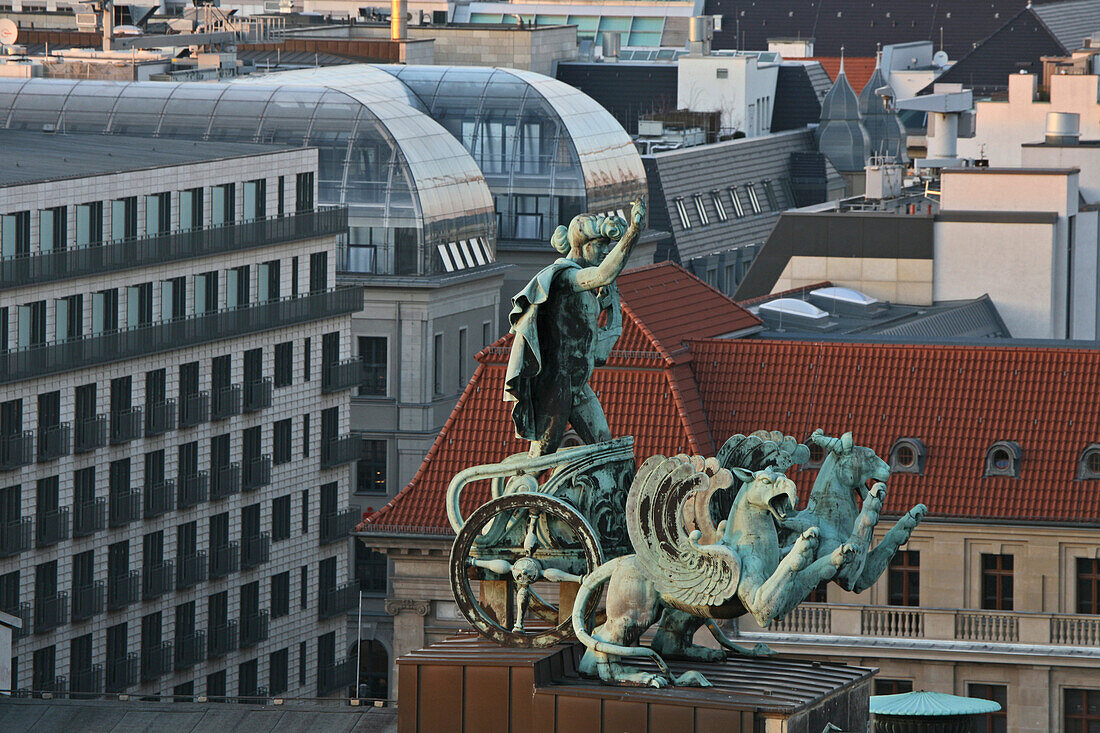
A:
393	166
531	133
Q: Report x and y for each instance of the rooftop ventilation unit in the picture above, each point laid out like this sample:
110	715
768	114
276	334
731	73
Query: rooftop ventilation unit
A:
1063	128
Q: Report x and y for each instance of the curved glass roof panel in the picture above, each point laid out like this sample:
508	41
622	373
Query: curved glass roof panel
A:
356	78
531	133
87	104
393	166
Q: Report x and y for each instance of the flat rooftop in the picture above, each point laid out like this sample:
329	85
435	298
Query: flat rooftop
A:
37	157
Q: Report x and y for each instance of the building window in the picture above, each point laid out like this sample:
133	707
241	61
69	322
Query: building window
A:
719	207
303	587
307	354
887	686
15	234
437	364
255	199
223	204
303	192
280	594
907	456
372	352
701	210
281	451
1089	465
1088	585
191	209
996	722
738	209
268	281
996	582
277	675
284	364
53	227
370	569
463	343
305	511
721	73
903	581
750	188
683	212
215	685
1003	459
124	218
769	194
305	435
158	214
1081	711
370	470
280	518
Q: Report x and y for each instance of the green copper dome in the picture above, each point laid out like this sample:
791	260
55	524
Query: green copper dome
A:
927	704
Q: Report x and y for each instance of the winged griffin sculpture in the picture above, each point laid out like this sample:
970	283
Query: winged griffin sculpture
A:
763	558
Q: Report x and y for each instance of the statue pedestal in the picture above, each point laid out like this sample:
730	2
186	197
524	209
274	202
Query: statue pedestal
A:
471	685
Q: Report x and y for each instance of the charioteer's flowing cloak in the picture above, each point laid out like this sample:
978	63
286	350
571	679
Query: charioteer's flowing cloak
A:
525	359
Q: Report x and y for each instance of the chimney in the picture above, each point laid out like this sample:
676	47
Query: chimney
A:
700	35
612	44
398	21
1063	128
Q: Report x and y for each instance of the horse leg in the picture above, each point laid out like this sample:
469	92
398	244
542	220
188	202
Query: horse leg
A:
879	557
796	575
862	533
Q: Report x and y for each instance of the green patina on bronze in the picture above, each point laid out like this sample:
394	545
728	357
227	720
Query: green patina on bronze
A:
683	541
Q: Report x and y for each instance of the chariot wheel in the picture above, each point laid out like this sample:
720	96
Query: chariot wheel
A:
537	540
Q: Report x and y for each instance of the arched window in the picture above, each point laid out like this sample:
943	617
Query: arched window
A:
1003	459
907	456
1088	467
374	669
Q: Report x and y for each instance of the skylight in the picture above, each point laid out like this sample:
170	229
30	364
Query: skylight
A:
845	295
793	307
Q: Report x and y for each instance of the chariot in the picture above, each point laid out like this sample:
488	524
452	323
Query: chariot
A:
549	521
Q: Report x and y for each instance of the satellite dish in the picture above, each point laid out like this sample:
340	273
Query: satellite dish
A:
9	32
939	59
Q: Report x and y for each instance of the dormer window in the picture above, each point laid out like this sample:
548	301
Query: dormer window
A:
907	456
1003	459
1088	467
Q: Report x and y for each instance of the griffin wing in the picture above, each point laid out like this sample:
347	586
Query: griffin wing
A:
668	500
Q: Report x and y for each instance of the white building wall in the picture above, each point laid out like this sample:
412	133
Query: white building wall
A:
745	95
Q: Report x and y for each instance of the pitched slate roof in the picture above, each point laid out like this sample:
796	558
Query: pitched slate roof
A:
957	399
857	25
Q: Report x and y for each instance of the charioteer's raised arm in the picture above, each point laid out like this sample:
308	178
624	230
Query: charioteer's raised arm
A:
605	273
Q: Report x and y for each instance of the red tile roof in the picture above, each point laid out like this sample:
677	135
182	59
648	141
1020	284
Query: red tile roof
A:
858	69
957	399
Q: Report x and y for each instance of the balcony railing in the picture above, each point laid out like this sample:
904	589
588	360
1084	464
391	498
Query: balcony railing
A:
40	361
331	677
86	681
191	489
194	409
54	442
51	612
253	628
91	433
225	481
257	395
160	498
25	613
88	600
122	673
16	450
336	525
126	425
341	450
341	375
15	536
42	267
124	507
339	599
122	590
190	649
987	627
156	580
191	569
224	559
226	402
256	472
222	639
160	418
52	526
255	550
89	517
156	661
